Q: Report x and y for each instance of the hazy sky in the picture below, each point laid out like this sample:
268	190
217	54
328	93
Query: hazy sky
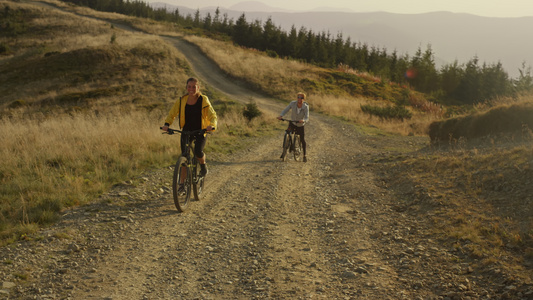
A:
489	8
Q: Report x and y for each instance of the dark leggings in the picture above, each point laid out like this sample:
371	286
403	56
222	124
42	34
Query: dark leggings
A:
199	145
299	131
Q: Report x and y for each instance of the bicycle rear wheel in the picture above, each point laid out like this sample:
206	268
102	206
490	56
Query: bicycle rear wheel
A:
181	198
286	145
297	147
198	181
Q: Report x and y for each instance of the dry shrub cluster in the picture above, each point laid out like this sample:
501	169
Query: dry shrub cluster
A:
420	103
508	119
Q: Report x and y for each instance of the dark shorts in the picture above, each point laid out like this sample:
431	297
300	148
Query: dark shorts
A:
299	130
200	141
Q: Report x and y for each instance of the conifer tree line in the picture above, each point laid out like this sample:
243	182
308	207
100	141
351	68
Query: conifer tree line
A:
465	83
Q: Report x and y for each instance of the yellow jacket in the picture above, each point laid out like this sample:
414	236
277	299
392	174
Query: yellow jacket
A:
209	116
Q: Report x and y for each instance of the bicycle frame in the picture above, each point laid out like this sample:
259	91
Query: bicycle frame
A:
186	172
291	143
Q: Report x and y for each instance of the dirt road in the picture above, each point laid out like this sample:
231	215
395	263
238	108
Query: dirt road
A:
265	229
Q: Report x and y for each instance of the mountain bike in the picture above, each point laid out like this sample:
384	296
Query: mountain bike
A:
186	172
291	143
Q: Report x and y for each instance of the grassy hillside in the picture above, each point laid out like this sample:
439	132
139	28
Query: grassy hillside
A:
68	61
81	104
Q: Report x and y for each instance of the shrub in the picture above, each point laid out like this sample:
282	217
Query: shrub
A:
4	49
251	111
272	53
113	39
17	103
498	120
390	112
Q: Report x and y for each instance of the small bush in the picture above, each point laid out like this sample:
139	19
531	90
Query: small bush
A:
4	49
272	53
390	112
251	111
17	103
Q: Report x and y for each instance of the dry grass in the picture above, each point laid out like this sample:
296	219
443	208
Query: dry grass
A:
133	60
54	28
87	114
476	199
283	78
504	119
476	190
73	59
277	77
54	162
146	25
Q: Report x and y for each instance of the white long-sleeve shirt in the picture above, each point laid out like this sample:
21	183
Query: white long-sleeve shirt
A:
297	114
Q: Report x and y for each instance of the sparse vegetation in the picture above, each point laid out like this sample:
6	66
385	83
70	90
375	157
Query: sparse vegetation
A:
389	112
88	117
511	121
74	130
251	111
334	92
477	198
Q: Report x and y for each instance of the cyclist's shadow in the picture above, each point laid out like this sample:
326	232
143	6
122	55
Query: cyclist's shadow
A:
249	162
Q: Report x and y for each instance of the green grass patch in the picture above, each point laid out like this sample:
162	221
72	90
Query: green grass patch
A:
389	112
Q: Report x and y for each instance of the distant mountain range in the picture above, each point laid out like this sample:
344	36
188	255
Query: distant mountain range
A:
452	36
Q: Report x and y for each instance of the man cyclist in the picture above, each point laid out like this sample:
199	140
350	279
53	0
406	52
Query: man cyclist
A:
299	114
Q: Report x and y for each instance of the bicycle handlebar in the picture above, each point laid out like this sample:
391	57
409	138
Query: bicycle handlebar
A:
293	121
289	120
171	131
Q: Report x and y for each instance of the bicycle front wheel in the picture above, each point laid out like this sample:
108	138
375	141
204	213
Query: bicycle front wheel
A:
182	177
286	145
297	147
198	181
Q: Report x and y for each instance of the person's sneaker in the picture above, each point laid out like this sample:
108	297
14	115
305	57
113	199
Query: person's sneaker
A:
203	170
305	158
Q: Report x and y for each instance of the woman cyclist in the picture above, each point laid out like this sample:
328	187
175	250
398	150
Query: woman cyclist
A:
299	114
194	112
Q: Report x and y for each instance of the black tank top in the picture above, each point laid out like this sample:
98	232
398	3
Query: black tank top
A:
193	116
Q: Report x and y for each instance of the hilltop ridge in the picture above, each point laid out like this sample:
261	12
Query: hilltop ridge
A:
452	36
